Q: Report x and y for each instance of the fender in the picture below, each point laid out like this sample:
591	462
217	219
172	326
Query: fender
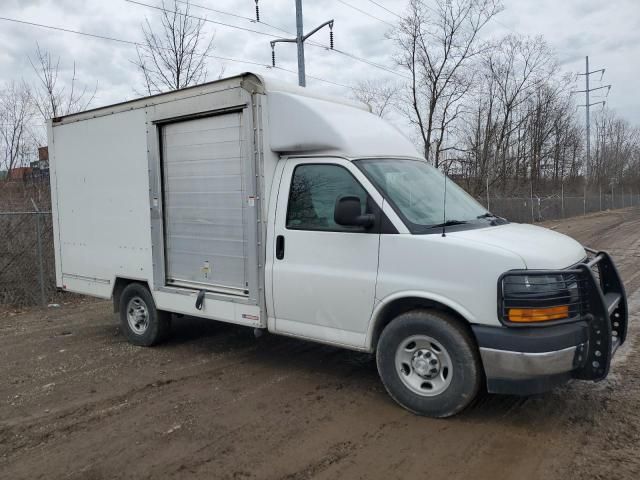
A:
379	307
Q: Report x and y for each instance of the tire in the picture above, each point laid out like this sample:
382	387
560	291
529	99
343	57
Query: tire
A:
140	321
429	363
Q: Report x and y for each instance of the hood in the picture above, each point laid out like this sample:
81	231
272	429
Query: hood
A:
539	248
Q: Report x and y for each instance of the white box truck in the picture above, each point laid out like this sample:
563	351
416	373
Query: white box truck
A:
265	205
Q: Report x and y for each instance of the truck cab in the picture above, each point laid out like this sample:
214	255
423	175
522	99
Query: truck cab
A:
266	205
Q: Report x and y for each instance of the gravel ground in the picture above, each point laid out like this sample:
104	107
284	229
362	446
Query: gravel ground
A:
77	401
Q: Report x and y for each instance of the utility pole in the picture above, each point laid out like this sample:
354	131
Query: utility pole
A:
299	40
587	106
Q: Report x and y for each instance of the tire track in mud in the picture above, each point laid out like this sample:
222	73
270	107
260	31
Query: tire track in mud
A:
83	415
606	420
304	406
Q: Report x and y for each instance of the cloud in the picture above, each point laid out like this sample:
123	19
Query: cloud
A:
607	31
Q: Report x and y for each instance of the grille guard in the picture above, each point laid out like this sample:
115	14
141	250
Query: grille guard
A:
609	315
602	305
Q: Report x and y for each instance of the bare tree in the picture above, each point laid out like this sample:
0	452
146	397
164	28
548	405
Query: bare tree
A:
176	56
16	115
500	116
518	66
378	95
617	144
51	98
437	42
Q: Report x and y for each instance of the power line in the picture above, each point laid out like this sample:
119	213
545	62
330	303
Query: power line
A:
373	64
249	19
258	32
385	8
138	44
316	44
312	43
365	13
103	37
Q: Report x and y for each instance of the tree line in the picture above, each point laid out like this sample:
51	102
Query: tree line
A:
498	115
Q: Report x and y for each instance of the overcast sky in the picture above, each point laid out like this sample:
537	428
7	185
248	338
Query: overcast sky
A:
607	31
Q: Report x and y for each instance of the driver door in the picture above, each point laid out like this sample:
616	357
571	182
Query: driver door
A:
324	274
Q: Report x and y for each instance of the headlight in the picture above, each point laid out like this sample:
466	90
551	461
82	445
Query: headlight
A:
530	297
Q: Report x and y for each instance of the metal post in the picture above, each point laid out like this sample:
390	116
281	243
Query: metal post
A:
588	122
600	197
488	202
302	81
299	41
531	199
562	200
43	297
586	168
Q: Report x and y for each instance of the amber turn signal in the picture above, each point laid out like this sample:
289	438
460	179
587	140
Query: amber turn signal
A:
523	315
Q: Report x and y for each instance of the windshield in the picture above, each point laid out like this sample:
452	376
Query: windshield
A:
416	190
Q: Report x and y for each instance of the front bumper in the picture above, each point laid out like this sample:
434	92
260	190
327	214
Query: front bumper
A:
530	360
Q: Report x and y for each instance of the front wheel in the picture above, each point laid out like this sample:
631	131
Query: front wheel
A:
429	363
141	322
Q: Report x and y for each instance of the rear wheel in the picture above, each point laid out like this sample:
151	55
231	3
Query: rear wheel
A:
141	322
429	363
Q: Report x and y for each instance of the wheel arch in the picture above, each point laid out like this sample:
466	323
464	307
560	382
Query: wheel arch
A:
119	284
393	305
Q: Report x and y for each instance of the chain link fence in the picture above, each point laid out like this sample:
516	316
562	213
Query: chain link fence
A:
27	265
534	208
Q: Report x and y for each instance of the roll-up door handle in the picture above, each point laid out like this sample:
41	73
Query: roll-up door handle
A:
200	300
280	247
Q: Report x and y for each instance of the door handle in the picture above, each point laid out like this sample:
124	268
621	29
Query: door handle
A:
280	247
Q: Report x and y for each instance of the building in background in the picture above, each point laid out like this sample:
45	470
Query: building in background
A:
40	168
19	174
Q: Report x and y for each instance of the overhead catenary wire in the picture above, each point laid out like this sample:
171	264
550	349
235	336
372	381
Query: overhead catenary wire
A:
315	44
138	44
373	64
235	15
365	13
385	8
204	19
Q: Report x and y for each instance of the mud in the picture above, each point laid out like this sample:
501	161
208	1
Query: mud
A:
78	402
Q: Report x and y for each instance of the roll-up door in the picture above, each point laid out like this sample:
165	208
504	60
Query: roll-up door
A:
205	242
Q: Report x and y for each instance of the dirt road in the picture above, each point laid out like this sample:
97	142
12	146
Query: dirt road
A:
77	401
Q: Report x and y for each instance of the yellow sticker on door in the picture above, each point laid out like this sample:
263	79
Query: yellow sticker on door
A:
206	269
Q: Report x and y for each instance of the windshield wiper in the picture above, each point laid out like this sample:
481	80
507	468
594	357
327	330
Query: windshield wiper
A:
495	219
449	223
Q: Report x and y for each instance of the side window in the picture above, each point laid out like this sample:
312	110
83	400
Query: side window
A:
313	194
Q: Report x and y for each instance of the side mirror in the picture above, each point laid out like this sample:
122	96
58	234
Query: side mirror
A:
347	213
